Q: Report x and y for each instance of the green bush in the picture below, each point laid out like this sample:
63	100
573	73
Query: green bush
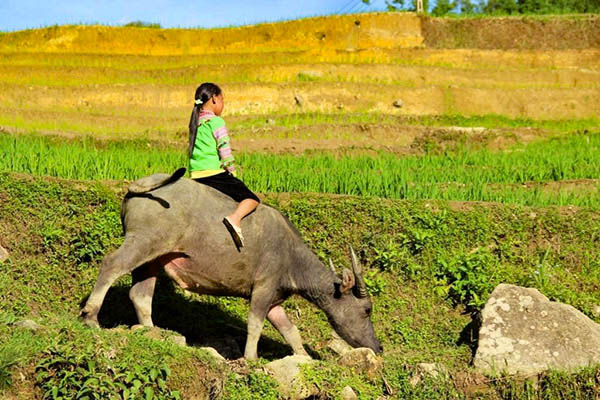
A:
143	24
467	278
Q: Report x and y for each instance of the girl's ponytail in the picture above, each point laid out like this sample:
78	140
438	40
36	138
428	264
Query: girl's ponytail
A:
204	93
193	130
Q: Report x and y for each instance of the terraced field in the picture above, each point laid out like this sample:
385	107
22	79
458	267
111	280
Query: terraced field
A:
429	160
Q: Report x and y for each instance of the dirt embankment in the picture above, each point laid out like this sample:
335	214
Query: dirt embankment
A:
349	34
543	33
337	32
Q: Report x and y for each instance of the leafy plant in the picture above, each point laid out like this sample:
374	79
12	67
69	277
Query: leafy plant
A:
375	282
417	239
389	258
66	372
468	278
253	386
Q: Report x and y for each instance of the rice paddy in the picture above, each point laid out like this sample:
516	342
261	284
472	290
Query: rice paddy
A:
528	175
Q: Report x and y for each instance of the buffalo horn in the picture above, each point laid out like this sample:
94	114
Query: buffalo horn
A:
360	283
336	278
331	266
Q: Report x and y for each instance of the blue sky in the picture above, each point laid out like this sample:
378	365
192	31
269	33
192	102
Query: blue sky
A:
24	14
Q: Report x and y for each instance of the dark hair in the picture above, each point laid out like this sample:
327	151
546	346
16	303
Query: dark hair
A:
203	94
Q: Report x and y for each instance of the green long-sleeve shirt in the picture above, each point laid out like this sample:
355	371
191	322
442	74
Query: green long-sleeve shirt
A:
212	153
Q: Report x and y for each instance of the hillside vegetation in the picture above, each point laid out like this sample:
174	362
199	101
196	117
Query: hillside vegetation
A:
57	231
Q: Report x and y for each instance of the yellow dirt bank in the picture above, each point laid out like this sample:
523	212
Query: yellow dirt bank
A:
342	32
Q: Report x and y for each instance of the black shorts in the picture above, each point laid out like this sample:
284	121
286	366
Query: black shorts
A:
229	185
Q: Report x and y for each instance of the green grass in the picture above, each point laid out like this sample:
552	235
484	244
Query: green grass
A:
479	175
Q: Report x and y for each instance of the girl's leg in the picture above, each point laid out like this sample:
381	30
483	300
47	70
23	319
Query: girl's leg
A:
245	207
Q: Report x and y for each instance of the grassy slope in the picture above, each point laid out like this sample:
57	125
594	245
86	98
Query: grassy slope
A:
57	231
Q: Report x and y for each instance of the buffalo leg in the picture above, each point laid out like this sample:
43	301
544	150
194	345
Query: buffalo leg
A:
281	322
142	290
259	307
125	259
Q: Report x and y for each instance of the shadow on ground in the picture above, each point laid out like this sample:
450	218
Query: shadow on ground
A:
201	323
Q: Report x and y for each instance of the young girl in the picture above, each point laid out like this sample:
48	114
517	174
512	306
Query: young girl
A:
211	160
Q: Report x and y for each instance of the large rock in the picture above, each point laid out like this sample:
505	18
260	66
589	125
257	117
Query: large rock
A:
287	373
522	332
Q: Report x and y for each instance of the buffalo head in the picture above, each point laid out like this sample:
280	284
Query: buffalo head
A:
349	312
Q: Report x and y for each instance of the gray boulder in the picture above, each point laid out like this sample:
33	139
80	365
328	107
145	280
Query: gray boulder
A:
287	373
522	332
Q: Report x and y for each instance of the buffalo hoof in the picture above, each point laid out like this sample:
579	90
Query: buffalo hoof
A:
92	322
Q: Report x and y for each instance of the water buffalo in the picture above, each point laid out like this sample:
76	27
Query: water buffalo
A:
175	224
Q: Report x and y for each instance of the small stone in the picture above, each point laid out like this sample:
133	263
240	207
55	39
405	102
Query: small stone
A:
162	335
214	353
287	373
415	380
398	103
29	324
596	311
422	370
299	100
338	345
348	394
178	339
3	254
270	121
361	359
153	333
137	327
431	369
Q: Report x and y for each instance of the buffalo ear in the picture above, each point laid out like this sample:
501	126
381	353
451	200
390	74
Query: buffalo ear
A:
347	281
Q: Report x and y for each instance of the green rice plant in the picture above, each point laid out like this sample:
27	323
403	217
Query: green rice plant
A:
520	175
